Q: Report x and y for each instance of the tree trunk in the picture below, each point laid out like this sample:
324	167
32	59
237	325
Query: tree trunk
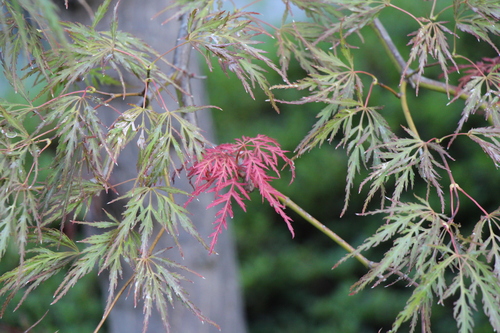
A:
218	295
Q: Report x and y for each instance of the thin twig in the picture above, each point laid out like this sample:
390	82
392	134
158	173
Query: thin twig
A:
112	305
181	63
37	322
87	8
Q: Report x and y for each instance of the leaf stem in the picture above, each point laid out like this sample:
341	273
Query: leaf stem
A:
156	240
456	186
432	16
389	88
324	229
406	109
406	12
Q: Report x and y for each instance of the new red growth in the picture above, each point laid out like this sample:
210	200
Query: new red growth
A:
232	170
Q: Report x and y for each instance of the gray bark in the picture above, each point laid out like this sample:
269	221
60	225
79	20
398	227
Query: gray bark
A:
218	295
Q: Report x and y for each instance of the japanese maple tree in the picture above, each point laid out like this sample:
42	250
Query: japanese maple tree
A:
427	246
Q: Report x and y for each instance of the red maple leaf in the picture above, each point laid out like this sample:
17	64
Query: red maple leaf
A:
232	170
480	68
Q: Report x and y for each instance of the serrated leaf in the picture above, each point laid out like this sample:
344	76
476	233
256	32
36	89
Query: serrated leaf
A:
479	27
429	39
239	168
492	147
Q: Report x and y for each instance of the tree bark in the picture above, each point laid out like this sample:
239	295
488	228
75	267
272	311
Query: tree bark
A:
218	295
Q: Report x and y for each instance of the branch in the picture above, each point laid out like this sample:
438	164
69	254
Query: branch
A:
181	63
178	73
324	229
340	241
400	64
388	44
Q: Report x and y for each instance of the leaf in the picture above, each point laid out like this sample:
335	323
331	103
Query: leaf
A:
483	279
399	160
99	14
485	8
360	14
156	284
38	268
492	148
481	84
335	84
430	39
479	27
145	207
20	39
229	37
414	229
462	310
416	255
231	171
420	301
296	39
169	131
